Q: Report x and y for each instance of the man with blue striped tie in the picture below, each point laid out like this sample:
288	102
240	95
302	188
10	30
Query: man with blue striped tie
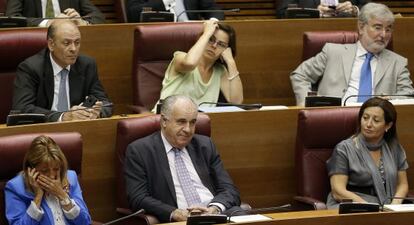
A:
172	172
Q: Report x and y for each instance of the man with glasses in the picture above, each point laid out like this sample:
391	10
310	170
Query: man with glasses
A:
173	172
207	70
361	69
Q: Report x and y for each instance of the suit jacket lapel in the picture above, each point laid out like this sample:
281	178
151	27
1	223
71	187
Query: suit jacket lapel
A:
76	79
348	60
38	8
382	65
199	165
164	165
49	79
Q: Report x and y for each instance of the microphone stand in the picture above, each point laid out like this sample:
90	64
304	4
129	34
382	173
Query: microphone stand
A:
207	11
141	211
243	106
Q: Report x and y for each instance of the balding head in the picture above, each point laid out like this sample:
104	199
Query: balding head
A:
178	118
63	38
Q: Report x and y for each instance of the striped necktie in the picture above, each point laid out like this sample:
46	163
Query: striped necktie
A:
62	104
189	191
50	13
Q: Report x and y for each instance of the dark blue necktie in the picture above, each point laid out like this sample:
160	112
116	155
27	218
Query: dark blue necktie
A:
62	104
365	81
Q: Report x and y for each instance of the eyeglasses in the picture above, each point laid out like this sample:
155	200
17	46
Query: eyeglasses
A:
213	40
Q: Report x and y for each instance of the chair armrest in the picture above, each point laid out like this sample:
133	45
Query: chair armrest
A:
310	202
140	219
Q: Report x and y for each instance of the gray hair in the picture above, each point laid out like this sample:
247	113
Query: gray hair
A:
375	10
168	103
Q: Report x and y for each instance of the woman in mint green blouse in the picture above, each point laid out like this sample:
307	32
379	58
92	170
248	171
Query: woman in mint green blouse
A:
207	68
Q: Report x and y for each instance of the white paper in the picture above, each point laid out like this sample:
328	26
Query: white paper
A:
399	207
249	218
207	109
273	107
329	2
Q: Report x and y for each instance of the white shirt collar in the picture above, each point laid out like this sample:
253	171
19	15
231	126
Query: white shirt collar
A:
361	51
55	66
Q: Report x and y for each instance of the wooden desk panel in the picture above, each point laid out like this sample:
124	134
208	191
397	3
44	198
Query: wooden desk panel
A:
257	148
268	50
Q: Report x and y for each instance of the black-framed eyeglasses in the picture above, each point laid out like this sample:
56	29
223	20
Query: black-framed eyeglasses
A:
213	40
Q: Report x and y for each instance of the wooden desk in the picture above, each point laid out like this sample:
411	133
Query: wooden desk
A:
331	217
257	148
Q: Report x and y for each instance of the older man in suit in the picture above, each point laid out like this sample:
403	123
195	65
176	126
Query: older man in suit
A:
363	68
135	8
42	12
175	171
58	79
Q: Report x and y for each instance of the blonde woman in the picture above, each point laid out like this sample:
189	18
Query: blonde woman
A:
45	192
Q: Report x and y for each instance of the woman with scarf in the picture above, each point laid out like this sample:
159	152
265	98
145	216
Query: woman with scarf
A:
371	165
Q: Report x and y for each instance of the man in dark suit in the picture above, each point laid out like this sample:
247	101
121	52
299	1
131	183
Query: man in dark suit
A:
350	8
58	79
135	8
155	180
35	11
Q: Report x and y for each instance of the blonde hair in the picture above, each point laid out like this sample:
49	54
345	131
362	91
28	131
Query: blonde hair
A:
44	149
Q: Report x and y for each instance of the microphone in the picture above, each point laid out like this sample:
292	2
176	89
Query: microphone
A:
249	211
67	18
382	95
141	211
243	106
73	110
207	11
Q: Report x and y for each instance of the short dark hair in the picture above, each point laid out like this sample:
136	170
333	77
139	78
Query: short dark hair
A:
232	36
390	115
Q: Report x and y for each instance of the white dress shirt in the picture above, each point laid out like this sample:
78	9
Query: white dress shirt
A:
353	85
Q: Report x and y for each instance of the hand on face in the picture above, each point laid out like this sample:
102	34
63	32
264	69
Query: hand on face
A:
33	176
227	55
52	186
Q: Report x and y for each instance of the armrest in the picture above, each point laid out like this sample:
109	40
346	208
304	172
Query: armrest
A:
141	219
314	204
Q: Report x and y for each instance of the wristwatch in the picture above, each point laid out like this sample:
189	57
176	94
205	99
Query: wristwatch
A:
65	201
